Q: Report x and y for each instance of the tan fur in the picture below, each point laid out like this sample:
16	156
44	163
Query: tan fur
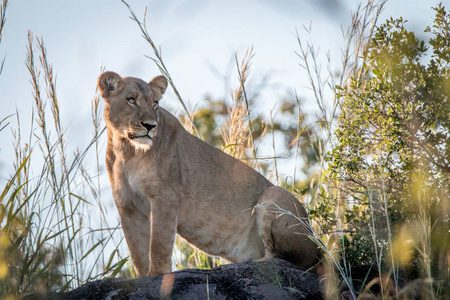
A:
166	181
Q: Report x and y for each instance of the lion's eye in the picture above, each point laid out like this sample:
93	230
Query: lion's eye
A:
155	103
131	100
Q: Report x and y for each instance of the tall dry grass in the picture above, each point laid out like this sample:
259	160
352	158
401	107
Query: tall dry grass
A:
237	132
3	7
47	238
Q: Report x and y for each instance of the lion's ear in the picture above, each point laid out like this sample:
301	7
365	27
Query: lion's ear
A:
159	86
110	83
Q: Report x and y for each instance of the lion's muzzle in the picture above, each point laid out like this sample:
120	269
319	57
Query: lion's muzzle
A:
148	126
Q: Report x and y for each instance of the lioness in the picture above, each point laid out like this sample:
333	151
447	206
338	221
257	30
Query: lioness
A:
166	181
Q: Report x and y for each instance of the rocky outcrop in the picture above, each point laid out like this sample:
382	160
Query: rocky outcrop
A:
273	279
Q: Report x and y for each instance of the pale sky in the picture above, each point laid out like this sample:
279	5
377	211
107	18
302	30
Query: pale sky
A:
198	39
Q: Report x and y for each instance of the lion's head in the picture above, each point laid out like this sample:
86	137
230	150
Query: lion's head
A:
132	106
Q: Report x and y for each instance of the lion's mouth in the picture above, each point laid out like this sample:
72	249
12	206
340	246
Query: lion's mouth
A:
132	136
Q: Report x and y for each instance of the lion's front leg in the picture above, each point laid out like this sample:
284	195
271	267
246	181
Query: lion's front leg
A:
163	228
136	228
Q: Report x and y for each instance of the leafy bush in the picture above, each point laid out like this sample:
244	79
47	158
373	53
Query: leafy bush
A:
392	160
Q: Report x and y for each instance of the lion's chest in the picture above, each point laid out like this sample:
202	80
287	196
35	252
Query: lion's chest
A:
132	179
140	177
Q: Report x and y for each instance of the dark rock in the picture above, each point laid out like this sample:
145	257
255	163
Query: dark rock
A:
273	279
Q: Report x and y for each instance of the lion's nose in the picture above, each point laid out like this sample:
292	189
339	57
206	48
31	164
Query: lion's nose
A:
148	126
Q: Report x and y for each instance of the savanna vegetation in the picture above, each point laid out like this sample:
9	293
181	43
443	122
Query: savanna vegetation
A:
375	175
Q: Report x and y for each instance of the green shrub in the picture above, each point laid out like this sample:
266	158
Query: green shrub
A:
391	162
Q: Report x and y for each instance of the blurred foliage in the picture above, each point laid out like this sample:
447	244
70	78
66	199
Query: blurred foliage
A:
299	137
210	121
23	266
391	165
